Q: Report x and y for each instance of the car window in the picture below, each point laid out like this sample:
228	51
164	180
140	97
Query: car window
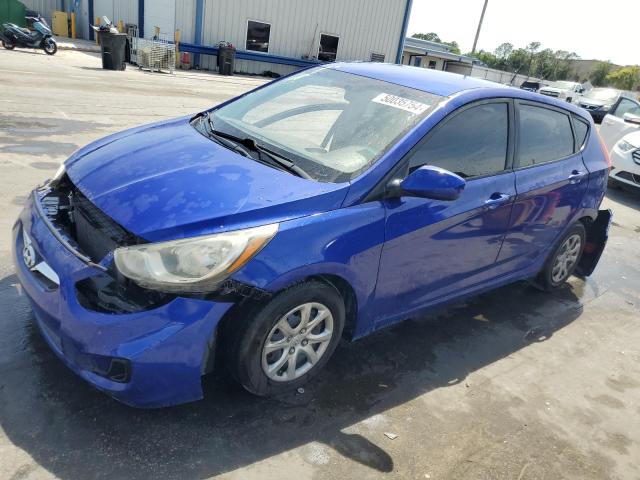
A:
582	128
544	135
472	143
626	106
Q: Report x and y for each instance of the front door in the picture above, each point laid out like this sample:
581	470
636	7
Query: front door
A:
435	249
551	180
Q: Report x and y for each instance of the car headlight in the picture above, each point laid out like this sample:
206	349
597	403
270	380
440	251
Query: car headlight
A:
625	146
193	264
604	108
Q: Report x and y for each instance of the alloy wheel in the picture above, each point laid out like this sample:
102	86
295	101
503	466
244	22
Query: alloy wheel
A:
297	342
566	258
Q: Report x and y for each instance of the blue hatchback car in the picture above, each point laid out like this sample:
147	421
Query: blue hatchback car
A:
326	204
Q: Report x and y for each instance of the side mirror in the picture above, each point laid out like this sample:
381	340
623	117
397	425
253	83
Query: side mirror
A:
631	118
429	182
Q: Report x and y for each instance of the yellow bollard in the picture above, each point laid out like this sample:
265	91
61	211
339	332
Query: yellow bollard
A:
176	38
97	34
120	26
73	25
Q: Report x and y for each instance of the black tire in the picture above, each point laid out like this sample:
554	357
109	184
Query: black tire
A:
550	279
53	48
247	333
8	46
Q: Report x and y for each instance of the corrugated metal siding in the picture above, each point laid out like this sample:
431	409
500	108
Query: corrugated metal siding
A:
186	19
115	10
364	27
159	13
43	7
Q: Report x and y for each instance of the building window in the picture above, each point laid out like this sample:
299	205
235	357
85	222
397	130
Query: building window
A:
417	61
328	48
377	57
432	64
258	36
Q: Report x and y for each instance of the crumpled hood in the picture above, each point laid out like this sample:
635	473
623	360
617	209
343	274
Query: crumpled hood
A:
166	180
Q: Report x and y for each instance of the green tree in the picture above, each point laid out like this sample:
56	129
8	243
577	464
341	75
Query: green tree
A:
598	75
626	78
431	36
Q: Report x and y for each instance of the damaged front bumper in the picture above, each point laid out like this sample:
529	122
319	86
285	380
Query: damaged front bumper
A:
149	358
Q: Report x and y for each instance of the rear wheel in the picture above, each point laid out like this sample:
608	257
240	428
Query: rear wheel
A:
564	259
283	344
8	45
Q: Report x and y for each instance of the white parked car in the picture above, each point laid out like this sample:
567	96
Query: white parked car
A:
625	161
622	118
568	91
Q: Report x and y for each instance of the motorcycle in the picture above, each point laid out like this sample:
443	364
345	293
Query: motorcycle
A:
13	36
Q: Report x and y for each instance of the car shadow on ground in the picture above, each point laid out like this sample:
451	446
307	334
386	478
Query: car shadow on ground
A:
625	194
75	432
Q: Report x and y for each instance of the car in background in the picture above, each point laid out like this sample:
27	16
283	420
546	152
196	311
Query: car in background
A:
623	118
338	200
599	101
625	161
564	90
531	85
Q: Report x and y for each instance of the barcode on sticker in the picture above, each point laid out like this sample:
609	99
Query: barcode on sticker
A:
402	103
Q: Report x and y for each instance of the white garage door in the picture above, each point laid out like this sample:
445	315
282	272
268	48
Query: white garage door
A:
159	13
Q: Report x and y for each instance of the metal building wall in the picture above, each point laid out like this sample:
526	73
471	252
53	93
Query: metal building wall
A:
115	10
43	7
186	19
364	27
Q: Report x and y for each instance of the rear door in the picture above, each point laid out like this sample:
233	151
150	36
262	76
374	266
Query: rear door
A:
435	248
551	180
613	126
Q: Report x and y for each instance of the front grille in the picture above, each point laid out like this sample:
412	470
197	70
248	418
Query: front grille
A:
636	156
94	233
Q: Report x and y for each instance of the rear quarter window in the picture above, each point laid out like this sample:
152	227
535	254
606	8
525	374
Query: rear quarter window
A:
582	130
544	135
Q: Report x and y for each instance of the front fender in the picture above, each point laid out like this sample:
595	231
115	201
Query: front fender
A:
346	242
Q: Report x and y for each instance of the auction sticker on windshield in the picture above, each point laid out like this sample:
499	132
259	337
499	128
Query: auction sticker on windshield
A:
402	103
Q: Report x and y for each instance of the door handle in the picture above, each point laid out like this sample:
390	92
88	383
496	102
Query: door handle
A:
496	200
576	177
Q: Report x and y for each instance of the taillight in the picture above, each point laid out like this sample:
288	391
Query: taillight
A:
605	152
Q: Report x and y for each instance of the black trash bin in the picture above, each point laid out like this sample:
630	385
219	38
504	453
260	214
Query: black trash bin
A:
113	47
226	59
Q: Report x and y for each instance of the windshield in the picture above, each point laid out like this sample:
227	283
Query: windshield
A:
604	94
331	124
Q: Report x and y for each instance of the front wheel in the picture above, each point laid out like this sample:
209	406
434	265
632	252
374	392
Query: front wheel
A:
50	47
8	45
563	261
283	344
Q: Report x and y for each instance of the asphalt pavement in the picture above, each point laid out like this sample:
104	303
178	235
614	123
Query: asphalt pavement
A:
514	384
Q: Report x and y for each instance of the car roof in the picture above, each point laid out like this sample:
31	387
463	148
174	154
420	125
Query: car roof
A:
428	80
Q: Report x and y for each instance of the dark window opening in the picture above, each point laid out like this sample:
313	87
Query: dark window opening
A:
258	36
432	64
582	128
472	143
545	135
328	48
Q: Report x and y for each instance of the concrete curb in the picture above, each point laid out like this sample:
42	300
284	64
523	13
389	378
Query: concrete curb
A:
77	48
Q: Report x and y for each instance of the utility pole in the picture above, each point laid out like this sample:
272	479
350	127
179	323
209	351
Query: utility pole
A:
475	42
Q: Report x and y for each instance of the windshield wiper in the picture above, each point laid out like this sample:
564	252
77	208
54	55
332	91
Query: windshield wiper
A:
221	140
266	155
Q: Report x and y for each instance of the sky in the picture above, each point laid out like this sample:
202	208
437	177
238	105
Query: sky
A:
594	29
